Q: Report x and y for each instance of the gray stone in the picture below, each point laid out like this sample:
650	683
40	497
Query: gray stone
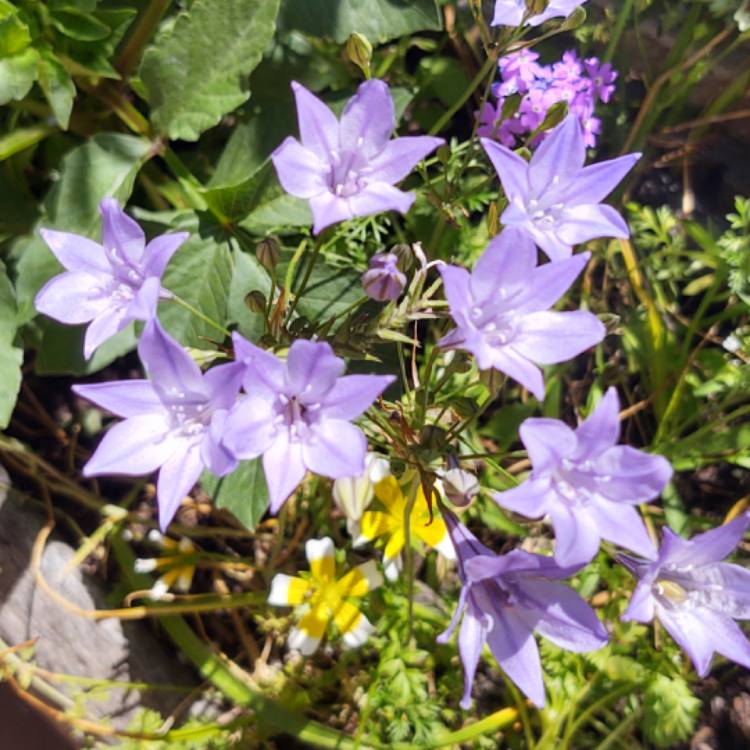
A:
70	643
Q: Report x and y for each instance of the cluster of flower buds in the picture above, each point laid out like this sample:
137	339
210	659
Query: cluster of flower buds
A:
529	90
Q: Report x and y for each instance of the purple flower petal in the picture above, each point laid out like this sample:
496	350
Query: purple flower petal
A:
548	442
586	222
284	470
74	297
529	499
512	643
511	362
565	618
630	475
121	236
174	374
621	524
223	382
318	126
352	395
551	337
177	477
595	182
546	284
266	373
300	171
709	547
378	197
249	429
103	327
641	604
125	398
559	157
601	429
160	250
143	306
328	209
509	260
337	449
399	157
139	445
76	253
471	639
511	168
727	586
691	635
214	454
576	535
368	120
312	369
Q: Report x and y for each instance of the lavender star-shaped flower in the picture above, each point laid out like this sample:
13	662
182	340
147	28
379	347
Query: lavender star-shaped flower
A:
512	12
505	599
107	285
297	415
173	420
587	484
694	595
347	168
501	310
554	198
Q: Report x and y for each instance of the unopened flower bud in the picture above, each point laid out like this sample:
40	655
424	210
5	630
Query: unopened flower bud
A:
383	281
536	7
405	256
359	51
268	253
256	302
460	487
353	495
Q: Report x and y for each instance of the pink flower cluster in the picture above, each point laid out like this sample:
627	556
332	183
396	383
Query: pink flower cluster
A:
580	83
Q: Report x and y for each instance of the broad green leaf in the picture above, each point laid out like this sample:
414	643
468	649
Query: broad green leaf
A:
106	165
78	25
58	87
235	201
378	20
17	75
330	292
243	492
259	202
199	273
14	33
11	357
195	71
61	351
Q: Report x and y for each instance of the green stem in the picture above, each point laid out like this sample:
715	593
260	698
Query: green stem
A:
142	32
408	551
306	278
622	18
225	332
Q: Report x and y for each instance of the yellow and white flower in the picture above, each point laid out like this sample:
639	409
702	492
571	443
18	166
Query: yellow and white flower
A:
322	598
389	523
353	495
178	564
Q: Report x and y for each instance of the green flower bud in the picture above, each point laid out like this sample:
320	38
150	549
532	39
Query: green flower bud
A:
256	302
268	253
359	51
